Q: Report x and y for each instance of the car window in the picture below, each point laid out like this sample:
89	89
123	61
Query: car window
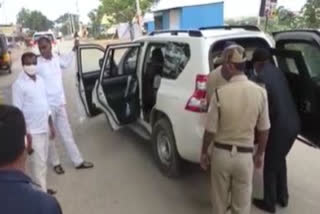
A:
122	61
176	57
292	66
311	54
173	58
38	36
90	59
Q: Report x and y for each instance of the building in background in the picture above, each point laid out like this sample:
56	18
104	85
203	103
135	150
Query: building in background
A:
11	30
187	14
148	21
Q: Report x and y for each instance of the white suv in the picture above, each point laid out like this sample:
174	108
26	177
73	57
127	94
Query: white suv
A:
158	83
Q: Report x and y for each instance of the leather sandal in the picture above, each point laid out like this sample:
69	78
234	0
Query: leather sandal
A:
58	169
85	165
51	191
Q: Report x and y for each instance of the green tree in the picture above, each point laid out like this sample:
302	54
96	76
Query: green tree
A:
23	17
243	21
124	10
311	14
95	17
65	21
34	20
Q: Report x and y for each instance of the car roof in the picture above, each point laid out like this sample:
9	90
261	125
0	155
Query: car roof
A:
43	33
210	34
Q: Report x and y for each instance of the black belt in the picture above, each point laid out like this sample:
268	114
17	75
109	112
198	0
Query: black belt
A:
229	148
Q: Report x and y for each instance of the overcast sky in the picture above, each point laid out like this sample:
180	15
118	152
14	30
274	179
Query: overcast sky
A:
54	8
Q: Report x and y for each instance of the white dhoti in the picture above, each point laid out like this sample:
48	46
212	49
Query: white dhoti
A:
37	161
64	134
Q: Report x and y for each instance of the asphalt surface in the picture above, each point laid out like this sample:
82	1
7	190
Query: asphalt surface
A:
126	180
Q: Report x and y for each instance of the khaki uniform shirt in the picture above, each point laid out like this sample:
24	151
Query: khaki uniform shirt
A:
215	80
242	107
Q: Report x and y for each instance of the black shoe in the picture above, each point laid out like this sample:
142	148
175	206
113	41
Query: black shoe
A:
263	206
85	165
58	169
283	203
51	192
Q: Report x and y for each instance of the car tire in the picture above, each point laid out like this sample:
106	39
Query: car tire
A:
165	150
9	70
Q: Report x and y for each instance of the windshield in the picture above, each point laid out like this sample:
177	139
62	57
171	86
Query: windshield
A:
38	36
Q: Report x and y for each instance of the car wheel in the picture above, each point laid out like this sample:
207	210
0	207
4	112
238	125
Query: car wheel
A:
165	149
9	70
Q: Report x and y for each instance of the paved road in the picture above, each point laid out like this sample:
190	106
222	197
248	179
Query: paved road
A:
125	179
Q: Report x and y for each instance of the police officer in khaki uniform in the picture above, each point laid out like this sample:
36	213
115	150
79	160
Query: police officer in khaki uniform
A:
237	109
219	76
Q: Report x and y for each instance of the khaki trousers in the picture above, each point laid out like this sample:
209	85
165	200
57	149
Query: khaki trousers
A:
231	181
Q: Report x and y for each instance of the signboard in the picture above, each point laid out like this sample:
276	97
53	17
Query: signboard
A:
8	30
268	8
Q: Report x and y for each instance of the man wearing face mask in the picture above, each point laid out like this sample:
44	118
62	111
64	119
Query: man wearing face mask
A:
29	95
18	193
50	68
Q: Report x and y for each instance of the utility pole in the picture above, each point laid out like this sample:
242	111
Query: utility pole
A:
139	13
78	13
71	25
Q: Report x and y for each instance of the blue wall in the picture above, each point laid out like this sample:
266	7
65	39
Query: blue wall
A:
166	20
149	26
202	16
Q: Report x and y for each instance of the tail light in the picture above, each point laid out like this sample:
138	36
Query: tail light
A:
198	102
54	42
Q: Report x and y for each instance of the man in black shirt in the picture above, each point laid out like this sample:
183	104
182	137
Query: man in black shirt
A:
18	194
285	126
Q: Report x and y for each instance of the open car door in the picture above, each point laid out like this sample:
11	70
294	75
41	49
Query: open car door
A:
88	57
118	86
298	54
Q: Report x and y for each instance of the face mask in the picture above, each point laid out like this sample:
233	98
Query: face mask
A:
30	69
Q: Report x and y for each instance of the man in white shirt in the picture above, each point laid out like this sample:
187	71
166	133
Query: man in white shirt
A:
50	69
29	95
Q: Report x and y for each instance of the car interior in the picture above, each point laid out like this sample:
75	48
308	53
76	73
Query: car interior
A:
120	85
304	86
250	44
89	79
153	69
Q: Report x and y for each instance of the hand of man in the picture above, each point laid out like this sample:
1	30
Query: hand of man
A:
76	44
52	133
29	144
205	161
257	159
